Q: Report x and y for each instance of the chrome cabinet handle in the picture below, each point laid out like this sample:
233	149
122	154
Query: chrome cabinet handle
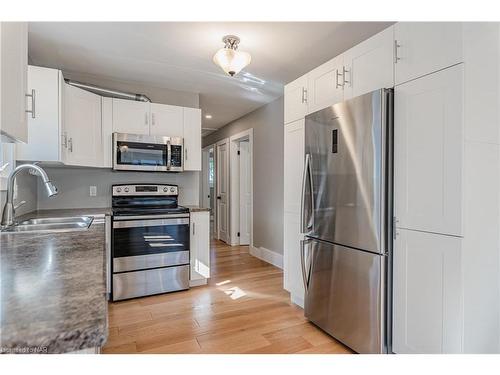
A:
146	119
70	145
193	228
337	75
152	119
33	101
185	154
64	141
396	46
304	95
344	80
305	276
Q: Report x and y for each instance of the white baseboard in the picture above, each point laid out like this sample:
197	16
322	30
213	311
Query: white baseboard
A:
198	282
267	256
299	301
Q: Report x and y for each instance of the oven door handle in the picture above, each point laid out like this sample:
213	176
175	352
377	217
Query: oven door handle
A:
150	223
145	217
169	155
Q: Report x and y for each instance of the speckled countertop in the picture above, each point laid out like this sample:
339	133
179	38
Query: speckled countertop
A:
53	288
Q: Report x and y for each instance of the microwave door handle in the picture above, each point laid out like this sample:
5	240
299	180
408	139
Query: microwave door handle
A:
169	155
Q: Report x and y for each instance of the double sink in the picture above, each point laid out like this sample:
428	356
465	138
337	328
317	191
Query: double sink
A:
51	224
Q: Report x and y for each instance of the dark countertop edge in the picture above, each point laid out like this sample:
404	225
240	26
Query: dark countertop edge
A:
196	208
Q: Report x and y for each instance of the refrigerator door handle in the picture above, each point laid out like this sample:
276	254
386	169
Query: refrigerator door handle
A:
306	224
305	275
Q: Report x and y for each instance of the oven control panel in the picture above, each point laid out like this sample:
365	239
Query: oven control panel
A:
141	190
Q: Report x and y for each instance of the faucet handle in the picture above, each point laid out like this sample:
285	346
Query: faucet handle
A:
19	205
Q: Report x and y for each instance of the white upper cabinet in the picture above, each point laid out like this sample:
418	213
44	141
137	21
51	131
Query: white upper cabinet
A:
82	126
426	47
200	245
44	124
130	116
166	120
296	100
294	145
13	80
192	139
325	85
107	131
427	300
369	65
428	151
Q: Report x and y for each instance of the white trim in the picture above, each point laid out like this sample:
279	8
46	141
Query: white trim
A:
299	301
234	202
267	256
198	282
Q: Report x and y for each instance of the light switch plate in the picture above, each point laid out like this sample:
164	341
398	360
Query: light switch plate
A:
93	191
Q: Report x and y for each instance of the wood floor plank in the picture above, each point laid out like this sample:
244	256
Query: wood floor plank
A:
243	309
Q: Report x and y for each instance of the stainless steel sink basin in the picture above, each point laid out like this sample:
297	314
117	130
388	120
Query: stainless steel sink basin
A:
51	224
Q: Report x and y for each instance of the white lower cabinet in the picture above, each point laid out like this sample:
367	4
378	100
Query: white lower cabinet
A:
82	127
199	244
293	271
427	300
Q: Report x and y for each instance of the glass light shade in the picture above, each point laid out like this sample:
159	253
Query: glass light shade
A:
232	61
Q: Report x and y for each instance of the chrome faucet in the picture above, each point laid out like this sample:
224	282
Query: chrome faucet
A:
9	209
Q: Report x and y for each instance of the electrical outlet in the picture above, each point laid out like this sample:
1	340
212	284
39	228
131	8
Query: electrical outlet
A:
93	191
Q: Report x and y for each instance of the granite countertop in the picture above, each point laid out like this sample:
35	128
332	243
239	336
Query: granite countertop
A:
196	208
53	288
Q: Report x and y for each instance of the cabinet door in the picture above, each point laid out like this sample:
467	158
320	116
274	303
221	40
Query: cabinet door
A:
200	245
426	47
82	124
370	65
44	125
293	165
166	120
192	139
296	100
427	315
130	116
107	131
325	85
428	150
293	271
13	80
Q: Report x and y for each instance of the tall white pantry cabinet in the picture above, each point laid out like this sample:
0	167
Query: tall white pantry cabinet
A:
446	79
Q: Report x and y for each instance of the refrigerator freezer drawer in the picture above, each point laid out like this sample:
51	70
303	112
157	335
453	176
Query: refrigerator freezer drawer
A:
344	294
144	283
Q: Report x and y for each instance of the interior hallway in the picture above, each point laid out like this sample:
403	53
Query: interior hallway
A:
243	309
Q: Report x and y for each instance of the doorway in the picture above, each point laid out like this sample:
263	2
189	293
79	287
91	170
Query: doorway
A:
241	190
209	184
222	189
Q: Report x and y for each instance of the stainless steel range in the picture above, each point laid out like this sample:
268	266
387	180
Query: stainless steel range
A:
150	241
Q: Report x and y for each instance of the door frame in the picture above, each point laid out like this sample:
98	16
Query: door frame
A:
204	176
217	176
234	190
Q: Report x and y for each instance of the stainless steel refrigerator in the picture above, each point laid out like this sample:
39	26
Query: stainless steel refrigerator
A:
347	220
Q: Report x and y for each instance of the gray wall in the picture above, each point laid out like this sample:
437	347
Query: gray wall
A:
27	191
74	185
156	94
267	124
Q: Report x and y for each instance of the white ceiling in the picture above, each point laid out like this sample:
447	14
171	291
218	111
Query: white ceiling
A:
178	56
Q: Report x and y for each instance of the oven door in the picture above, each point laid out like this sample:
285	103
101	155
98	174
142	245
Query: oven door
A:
140	243
133	152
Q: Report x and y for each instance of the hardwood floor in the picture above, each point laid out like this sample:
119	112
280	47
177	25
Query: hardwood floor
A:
243	309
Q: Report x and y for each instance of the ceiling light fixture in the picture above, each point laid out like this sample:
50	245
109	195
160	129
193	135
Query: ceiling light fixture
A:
208	116
229	59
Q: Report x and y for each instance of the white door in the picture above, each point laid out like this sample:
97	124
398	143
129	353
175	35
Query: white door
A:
44	140
222	190
428	151
82	125
130	116
294	145
426	47
427	316
370	65
200	245
295	99
245	193
293	271
325	85
192	139
166	120
13	81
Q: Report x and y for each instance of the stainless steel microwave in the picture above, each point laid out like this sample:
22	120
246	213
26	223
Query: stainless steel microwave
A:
148	153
